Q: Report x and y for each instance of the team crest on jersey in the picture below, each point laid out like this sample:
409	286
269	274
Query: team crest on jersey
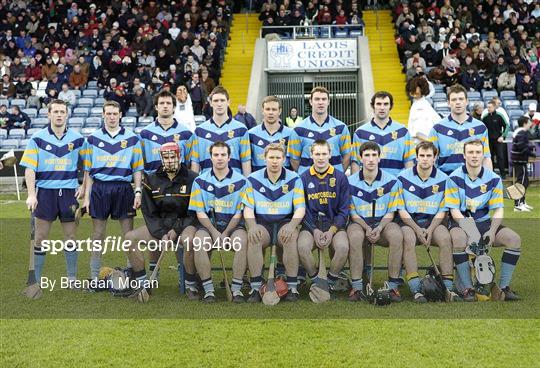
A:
332	132
311	186
123	143
154	138
394	135
359	194
471	132
183	189
311	135
262	190
332	182
371	137
435	188
176	137
380	191
285	188
411	188
48	147
231	188
210	188
450	132
70	146
231	134
260	143
483	188
282	141
101	145
208	135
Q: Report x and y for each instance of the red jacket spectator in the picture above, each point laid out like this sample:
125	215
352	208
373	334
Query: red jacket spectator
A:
33	73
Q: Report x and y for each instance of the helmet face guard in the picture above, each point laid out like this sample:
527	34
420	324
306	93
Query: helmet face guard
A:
170	157
432	288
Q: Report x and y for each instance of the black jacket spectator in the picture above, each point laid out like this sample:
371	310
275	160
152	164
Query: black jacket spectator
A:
18	120
471	80
430	56
495	125
143	102
23	88
521	149
526	89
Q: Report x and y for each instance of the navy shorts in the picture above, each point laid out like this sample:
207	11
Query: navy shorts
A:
111	198
222	226
53	203
269	226
482	226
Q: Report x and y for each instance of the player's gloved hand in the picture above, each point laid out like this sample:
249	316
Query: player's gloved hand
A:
31	203
286	233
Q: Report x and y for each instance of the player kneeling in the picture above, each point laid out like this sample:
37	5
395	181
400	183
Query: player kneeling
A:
217	199
375	196
422	211
474	192
327	206
274	198
165	201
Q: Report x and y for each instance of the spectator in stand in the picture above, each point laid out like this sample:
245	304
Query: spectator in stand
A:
4	117
245	117
534	116
33	71
142	101
49	69
62	73
496	127
471	80
293	119
507	80
430	56
477	110
67	95
521	152
23	88
197	93
33	101
208	82
17	69
54	85
526	89
8	89
18	119
77	79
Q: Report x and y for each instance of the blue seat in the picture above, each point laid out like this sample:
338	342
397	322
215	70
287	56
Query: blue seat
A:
3	134
31	132
341	33
42	113
23	143
81	112
474	95
515	114
489	94
128	121
18	102
76	122
77	93
138	130
87	131
17	134
32	113
100	101
96	111
9	144
508	95
92	84
438	97
92	122
39	123
525	104
85	102
90	93
511	104
144	121
356	33
4	102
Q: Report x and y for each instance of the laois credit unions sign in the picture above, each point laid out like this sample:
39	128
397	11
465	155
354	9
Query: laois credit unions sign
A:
312	54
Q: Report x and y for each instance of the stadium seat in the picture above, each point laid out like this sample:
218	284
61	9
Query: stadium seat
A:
356	33
39	123
438	87
92	122
129	121
17	134
511	104
87	131
525	104
199	119
18	102
138	130
90	93
85	102
439	96
513	124
42	113
508	95
100	101
489	94
23	143
515	114
77	93
144	121
4	102
3	133
440	105
324	32
341	34
10	144
101	92
81	112
32	113
474	96
92	84
31	132
96	111
132	112
76	122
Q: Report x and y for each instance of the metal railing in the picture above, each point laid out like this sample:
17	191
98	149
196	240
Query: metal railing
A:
316	31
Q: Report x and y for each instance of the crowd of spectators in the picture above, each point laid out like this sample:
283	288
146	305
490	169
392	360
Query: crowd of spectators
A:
488	44
130	48
311	12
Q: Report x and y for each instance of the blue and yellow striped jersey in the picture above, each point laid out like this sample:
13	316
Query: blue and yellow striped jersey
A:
326	193
113	159
224	196
232	132
396	144
54	160
274	202
475	197
423	199
259	138
154	136
449	136
334	131
385	191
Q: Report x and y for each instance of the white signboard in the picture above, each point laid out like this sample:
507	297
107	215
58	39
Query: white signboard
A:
312	54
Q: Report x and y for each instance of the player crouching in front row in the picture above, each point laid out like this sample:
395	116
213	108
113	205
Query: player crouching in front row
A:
475	191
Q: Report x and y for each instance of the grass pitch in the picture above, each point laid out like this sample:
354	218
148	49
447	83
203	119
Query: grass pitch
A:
77	329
